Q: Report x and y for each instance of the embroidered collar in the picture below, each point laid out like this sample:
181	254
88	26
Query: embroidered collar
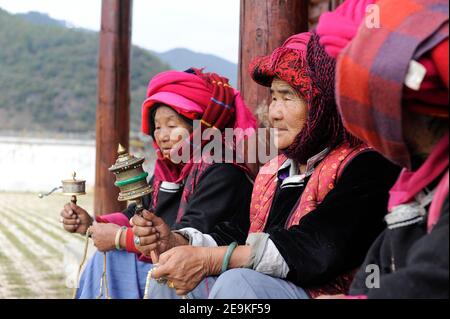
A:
289	173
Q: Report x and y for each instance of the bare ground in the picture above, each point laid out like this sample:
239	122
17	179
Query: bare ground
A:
33	246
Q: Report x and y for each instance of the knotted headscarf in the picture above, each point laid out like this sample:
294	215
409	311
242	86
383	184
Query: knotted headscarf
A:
303	63
207	97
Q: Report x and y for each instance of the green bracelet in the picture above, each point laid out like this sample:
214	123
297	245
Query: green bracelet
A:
227	257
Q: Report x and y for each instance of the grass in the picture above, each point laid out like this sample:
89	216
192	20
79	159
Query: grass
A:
32	220
27	253
35	238
14	278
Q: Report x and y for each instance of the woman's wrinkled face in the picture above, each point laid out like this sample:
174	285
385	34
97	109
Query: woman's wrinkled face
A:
288	113
170	129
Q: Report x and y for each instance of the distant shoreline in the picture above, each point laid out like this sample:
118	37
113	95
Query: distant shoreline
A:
48	135
38	163
56	138
46	141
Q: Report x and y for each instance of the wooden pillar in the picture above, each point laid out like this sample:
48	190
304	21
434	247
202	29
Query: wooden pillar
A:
335	3
264	26
113	108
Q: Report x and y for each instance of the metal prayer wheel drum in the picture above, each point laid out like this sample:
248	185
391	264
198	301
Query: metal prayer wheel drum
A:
73	187
130	177
70	187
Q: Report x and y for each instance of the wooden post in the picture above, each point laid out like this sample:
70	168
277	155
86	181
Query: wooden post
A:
264	26
317	7
335	3
113	108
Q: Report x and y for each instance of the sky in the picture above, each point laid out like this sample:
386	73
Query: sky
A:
206	26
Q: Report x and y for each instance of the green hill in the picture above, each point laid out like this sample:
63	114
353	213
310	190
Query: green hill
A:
182	59
48	76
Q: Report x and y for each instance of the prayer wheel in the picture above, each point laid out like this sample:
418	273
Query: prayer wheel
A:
130	178
70	187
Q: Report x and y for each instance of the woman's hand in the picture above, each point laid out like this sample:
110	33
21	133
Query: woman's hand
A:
184	267
75	219
154	234
104	236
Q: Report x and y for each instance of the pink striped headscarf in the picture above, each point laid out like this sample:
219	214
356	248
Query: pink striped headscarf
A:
196	96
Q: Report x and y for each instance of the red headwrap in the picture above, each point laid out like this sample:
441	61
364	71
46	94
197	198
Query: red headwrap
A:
338	28
204	96
287	63
372	68
371	92
303	63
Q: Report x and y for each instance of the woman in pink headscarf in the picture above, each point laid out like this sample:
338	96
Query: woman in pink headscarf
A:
192	188
312	215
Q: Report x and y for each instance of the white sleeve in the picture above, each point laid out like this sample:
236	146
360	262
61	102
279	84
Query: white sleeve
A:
266	258
272	263
197	238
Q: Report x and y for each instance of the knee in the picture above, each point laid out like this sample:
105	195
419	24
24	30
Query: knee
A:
226	285
235	274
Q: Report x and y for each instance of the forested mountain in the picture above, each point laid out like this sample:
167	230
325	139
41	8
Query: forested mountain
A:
48	75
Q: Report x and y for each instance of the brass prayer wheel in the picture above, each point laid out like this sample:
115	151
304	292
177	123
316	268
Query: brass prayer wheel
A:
70	187
130	178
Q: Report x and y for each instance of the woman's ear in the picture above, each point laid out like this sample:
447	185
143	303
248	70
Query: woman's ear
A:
151	120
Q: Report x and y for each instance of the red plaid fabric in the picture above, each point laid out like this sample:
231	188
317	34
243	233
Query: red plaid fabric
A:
372	69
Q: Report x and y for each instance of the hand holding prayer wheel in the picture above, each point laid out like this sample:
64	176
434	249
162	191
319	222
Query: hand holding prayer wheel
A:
75	219
154	234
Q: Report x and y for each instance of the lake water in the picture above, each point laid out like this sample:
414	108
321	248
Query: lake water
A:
38	165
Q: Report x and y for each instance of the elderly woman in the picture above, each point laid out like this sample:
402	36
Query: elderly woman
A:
315	209
193	193
397	101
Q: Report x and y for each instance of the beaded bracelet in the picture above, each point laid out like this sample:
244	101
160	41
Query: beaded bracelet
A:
227	257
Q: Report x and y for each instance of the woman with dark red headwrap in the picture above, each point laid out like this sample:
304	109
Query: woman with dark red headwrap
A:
392	91
193	190
315	208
